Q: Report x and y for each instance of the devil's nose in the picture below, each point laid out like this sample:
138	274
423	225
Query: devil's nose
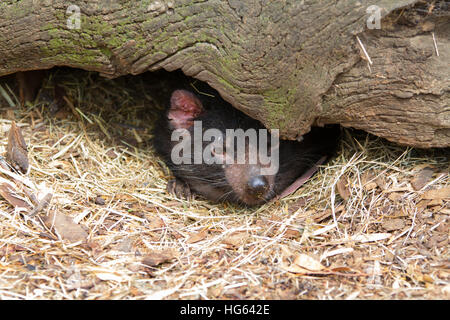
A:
257	184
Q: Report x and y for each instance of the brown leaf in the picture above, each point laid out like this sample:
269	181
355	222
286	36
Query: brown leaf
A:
156	258
111	154
156	223
125	245
292	233
342	187
318	217
16	152
394	196
443	193
308	262
9	194
235	239
99	200
422	178
297	204
196	237
370	186
11	249
305	264
368	181
64	227
381	182
393	224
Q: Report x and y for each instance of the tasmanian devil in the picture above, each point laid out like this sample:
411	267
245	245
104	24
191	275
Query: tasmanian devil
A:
193	140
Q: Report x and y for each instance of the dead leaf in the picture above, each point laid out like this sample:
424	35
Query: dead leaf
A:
17	153
64	227
368	181
125	245
422	178
83	284
343	188
99	200
235	239
156	258
292	233
297	204
335	252
340	269
394	196
156	223
111	154
196	237
306	265
370	186
9	194
393	224
443	193
11	249
318	217
435	202
309	263
381	182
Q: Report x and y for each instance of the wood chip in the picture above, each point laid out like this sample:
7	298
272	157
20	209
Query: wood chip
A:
381	182
442	193
297	204
368	181
196	237
318	217
235	239
292	233
156	223
99	200
422	178
395	196
393	224
155	258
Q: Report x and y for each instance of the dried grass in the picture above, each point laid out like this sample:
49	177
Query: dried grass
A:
383	242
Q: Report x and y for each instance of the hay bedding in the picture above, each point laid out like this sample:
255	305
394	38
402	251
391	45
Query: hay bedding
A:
372	224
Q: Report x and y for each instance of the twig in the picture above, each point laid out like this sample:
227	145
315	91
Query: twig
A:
41	205
364	51
435	44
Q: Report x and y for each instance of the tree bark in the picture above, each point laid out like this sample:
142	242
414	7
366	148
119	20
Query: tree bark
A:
289	64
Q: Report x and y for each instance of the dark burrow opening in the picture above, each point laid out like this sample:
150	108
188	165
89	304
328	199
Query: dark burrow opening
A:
129	105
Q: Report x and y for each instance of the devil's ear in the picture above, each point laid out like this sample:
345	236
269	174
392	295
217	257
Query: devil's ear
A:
184	108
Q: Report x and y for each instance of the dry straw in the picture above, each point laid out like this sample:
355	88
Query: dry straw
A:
358	229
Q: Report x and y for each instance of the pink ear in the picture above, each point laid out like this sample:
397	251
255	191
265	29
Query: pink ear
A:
184	108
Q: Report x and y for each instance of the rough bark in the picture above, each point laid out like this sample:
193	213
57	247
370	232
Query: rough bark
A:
289	64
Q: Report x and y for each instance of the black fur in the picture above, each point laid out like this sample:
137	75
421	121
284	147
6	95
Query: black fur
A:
294	157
